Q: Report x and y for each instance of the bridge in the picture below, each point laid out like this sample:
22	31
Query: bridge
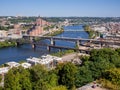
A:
77	42
53	38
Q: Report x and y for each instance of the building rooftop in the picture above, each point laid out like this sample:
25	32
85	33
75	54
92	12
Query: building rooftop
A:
45	59
13	64
4	70
26	65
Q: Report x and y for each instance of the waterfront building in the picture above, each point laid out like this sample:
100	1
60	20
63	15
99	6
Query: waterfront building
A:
47	60
13	64
4	70
33	60
3	33
37	29
26	65
17	29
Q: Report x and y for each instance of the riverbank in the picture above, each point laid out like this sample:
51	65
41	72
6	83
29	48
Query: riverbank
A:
89	31
7	44
55	32
62	53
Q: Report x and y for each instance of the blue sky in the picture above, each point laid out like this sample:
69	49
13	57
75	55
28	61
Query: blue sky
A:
92	8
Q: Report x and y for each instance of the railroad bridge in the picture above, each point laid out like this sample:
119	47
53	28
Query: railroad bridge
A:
77	41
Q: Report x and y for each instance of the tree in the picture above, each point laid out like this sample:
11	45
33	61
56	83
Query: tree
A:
83	76
59	88
111	79
12	79
98	67
39	77
52	79
18	79
0	78
113	75
67	75
25	81
102	60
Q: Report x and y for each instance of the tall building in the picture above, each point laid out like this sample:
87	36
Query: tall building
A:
37	29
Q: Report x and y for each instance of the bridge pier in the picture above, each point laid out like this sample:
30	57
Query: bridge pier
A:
52	42
59	50
17	44
101	44
77	44
48	48
33	46
32	39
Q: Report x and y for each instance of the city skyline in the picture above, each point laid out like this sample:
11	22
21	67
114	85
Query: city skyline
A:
60	8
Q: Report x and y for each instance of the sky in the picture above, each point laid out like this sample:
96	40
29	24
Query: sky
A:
60	8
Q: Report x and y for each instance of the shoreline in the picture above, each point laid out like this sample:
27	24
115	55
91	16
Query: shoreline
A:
90	32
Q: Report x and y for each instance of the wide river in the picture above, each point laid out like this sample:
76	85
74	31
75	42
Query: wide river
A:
25	51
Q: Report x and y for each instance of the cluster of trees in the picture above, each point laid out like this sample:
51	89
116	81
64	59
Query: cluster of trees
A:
54	19
102	65
89	31
62	53
6	28
6	44
22	19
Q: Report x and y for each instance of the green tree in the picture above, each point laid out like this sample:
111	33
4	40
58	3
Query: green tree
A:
102	60
12	79
83	76
0	78
113	75
25	81
18	79
52	79
59	88
39	77
67	75
111	79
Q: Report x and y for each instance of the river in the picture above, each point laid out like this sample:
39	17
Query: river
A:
25	51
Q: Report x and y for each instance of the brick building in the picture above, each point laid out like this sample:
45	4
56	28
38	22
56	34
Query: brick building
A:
16	29
37	29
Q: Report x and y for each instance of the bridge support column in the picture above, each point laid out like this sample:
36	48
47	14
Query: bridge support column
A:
52	42
48	48
33	46
60	50
77	44
32	39
101	44
17	44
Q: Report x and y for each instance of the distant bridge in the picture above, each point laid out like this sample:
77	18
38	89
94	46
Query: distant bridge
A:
77	41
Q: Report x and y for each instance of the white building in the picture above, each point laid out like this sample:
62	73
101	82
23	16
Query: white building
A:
26	65
47	60
13	64
99	28
33	60
4	70
3	33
